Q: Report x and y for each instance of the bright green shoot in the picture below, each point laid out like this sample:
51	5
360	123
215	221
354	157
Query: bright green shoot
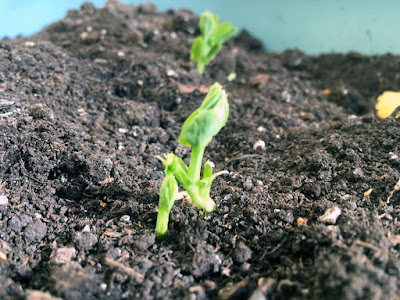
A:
213	35
197	131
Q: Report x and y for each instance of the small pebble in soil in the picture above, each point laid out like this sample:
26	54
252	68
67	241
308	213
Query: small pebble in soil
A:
289	217
207	217
242	253
227	197
85	240
25	220
233	175
83	35
261	129
125	218
15	224
226	272
3	200
144	242
358	172
248	184
62	256
352	205
330	216
245	267
114	253
86	228
30	44
35	232
172	73
259	144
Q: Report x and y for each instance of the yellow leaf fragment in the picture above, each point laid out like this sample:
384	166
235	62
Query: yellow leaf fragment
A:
325	92
3	256
387	103
367	193
302	221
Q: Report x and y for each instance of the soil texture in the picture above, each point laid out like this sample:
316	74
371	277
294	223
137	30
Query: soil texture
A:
310	207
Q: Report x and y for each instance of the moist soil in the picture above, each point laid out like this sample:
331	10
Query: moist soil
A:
310	212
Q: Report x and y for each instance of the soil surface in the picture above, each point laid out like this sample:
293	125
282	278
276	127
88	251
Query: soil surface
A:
310	212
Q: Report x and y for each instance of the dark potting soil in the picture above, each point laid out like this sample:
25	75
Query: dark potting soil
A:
308	210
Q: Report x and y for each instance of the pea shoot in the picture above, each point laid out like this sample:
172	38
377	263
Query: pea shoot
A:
209	43
197	131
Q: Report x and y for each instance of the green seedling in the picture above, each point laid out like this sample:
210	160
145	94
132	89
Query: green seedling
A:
208	44
232	76
197	131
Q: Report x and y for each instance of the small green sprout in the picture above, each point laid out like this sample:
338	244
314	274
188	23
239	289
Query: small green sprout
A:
197	131
213	35
169	188
232	76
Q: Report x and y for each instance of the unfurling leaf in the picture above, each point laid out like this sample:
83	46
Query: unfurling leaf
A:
205	122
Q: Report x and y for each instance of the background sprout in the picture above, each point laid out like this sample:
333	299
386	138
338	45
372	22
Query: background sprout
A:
208	44
197	131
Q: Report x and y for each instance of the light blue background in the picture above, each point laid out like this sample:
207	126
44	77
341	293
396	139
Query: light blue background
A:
314	26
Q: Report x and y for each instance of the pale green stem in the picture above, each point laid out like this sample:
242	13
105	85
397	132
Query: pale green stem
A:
196	161
200	68
162	222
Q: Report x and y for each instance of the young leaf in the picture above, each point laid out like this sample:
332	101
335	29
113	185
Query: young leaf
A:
204	186
222	33
208	169
207	120
213	35
175	165
207	23
197	48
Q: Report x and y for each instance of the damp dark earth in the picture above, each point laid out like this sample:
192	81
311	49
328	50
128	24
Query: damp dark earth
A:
310	207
